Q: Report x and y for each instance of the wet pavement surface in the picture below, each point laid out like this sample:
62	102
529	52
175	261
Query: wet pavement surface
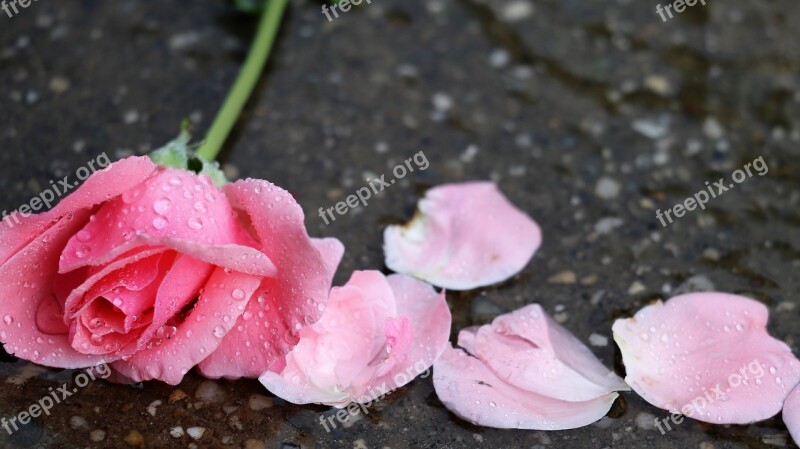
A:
590	115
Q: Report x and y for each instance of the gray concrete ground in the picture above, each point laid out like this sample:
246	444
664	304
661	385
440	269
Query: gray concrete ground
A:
590	115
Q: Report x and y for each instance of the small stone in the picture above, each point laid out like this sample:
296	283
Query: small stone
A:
196	432
78	422
711	254
607	224
254	444
97	435
177	395
135	439
607	188
658	84
130	117
177	432
785	306
228	409
359	444
152	408
712	129
59	85
561	318
589	280
517	10
598	340
698	283
209	392
442	102
499	58
646	421
259	402
636	288
564	277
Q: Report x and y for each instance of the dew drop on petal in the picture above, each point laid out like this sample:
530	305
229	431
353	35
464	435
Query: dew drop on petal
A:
160	223
238	294
219	331
162	205
195	223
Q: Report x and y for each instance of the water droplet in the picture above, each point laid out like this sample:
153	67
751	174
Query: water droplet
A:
219	332
772	370
162	205
739	327
195	223
664	338
238	294
726	328
644	336
83	235
174	181
81	251
160	223
97	340
117	302
492	404
97	322
247	316
200	207
8	319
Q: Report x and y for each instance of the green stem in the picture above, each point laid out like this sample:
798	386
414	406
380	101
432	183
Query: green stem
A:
246	81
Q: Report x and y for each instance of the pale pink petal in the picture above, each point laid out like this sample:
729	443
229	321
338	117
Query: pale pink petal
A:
285	303
708	356
377	334
201	332
526	348
463	236
791	414
472	391
334	355
430	318
173	208
27	282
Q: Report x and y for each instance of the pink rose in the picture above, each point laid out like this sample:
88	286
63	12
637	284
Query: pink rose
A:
157	270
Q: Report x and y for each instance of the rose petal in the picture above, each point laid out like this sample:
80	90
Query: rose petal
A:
472	391
173	208
286	303
347	357
17	232
463	236
791	414
715	343
27	282
200	334
526	348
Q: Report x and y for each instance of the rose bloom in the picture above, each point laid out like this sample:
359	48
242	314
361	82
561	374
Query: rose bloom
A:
155	270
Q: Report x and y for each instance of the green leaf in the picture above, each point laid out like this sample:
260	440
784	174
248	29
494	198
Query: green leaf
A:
178	153
175	153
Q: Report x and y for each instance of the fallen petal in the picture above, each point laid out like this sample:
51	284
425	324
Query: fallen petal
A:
468	388
463	236
708	356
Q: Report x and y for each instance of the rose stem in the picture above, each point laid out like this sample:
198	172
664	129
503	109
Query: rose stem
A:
245	81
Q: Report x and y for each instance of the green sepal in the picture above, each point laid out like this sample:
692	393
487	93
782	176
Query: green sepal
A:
178	153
